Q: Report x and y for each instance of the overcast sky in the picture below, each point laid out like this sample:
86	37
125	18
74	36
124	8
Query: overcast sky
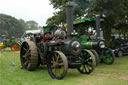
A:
37	10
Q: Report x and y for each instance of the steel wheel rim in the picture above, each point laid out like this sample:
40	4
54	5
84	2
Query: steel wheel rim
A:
88	63
29	55
96	55
108	56
57	67
25	58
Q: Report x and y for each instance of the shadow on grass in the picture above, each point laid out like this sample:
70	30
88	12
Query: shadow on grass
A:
41	68
72	73
6	50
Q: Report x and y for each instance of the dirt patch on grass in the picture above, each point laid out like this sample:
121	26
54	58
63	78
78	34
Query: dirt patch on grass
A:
85	82
93	80
103	74
122	77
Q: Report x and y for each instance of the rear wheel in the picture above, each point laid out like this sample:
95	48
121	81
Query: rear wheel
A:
42	49
57	65
96	55
88	62
109	56
29	55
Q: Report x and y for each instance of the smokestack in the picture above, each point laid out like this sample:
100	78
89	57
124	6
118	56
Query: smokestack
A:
98	26
69	15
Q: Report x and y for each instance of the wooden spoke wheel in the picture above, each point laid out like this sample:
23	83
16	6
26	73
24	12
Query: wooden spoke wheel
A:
15	47
29	55
88	62
96	55
57	65
109	56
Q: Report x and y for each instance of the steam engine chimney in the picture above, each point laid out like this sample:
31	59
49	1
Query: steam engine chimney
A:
69	15
98	26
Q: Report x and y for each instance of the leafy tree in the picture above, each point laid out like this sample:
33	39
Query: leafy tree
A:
60	16
23	23
10	25
114	13
32	25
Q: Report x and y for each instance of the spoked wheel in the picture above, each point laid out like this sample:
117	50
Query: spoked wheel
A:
42	52
96	55
29	55
88	62
57	65
15	47
109	56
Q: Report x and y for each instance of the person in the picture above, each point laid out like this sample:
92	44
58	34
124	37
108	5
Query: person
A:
1	42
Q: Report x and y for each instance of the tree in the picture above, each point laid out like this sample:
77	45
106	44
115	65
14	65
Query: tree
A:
114	13
60	16
24	25
32	25
10	25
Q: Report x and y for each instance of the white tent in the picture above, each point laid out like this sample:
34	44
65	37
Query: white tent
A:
34	31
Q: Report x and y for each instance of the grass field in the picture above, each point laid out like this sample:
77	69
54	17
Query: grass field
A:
116	74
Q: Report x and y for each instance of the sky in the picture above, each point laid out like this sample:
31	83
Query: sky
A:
37	10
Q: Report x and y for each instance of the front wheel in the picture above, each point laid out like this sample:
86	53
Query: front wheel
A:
88	62
109	56
57	65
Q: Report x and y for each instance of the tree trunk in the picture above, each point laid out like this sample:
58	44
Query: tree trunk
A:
107	35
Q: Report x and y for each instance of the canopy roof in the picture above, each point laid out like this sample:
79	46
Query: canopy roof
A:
33	31
84	20
91	19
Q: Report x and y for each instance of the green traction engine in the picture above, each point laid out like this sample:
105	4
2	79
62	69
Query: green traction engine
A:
12	44
99	49
96	45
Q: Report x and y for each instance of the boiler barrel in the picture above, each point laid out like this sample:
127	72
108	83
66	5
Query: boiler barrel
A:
90	45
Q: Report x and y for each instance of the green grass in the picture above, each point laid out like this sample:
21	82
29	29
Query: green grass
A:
116	74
